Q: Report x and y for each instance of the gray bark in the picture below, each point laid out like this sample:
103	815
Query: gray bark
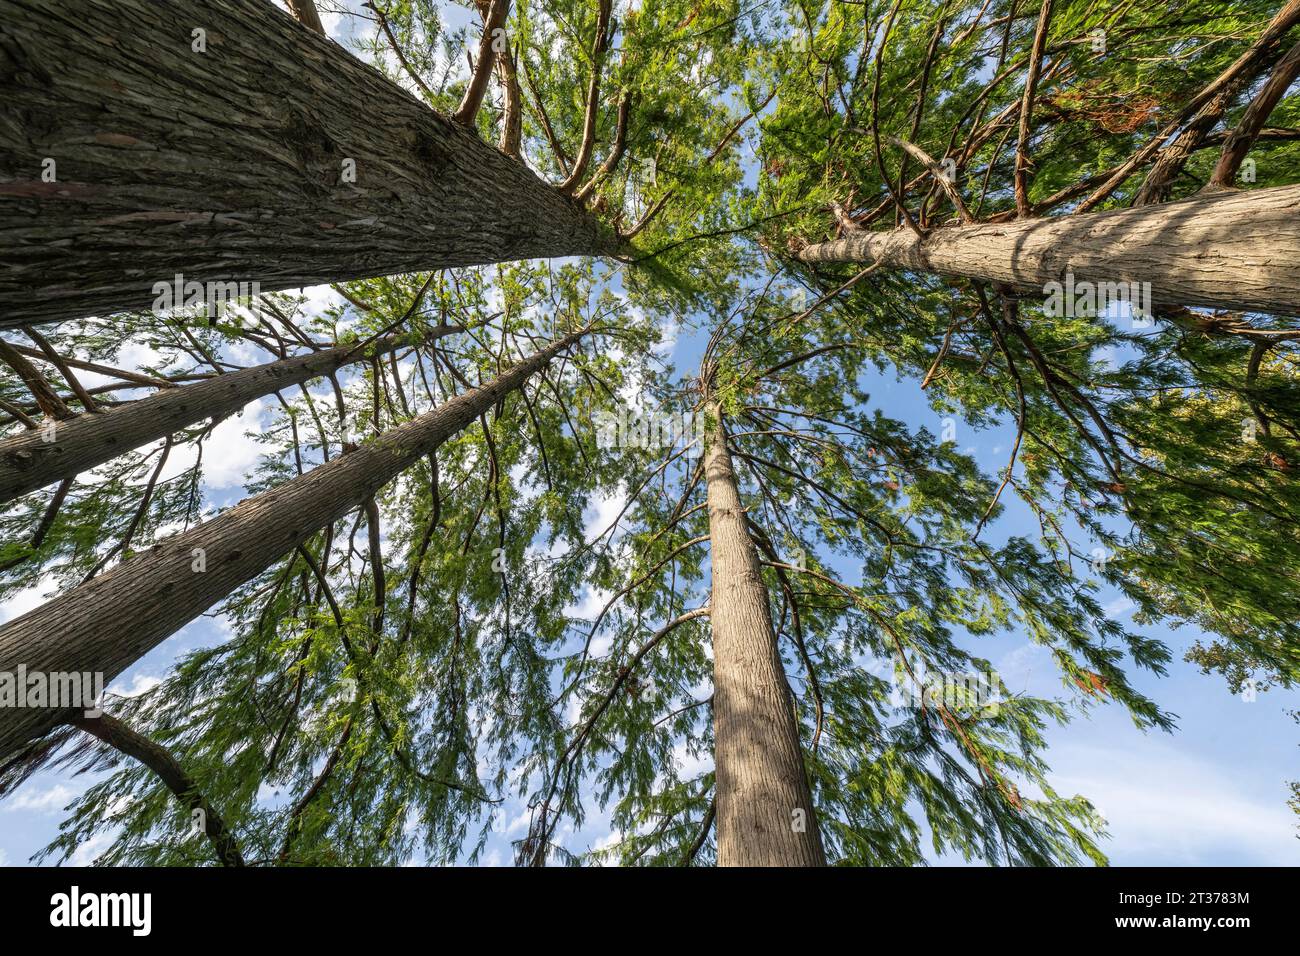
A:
28	461
1223	250
760	784
227	165
109	622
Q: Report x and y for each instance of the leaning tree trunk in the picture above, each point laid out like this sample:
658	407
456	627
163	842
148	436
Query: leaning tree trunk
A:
764	806
108	623
1232	250
31	460
134	148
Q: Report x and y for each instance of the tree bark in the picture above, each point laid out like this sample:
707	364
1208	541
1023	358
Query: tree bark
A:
765	814
304	11
154	756
109	622
1233	250
47	399
28	461
1237	144
229	165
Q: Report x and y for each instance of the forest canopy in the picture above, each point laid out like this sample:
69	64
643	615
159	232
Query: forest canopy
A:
755	284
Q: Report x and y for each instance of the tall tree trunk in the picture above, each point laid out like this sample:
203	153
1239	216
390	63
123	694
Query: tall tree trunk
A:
233	163
765	814
108	623
28	461
1235	250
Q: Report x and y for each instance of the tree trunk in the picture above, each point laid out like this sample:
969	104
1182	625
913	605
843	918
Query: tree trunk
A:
1235	250
28	461
108	623
764	806
232	164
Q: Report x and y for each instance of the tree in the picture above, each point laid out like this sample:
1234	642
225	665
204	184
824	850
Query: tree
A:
860	543
1165	434
777	649
1202	251
300	187
763	807
36	458
110	621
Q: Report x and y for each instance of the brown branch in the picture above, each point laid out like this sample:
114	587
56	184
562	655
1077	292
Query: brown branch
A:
493	20
127	741
397	49
615	153
304	11
1027	109
1238	142
57	361
949	187
47	399
1244	66
598	47
512	111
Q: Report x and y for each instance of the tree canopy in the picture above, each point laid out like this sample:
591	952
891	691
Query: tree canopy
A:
462	648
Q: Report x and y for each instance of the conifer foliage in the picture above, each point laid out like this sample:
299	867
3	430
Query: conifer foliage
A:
502	400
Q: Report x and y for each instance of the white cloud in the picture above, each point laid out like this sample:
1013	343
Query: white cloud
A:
140	683
50	800
601	514
88	852
1168	808
26	600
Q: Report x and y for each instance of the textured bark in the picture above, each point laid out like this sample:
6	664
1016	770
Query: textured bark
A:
108	623
228	165
760	778
304	11
1232	250
512	105
494	18
1243	136
47	399
28	461
122	738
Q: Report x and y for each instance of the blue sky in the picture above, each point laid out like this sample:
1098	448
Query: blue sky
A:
1213	792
